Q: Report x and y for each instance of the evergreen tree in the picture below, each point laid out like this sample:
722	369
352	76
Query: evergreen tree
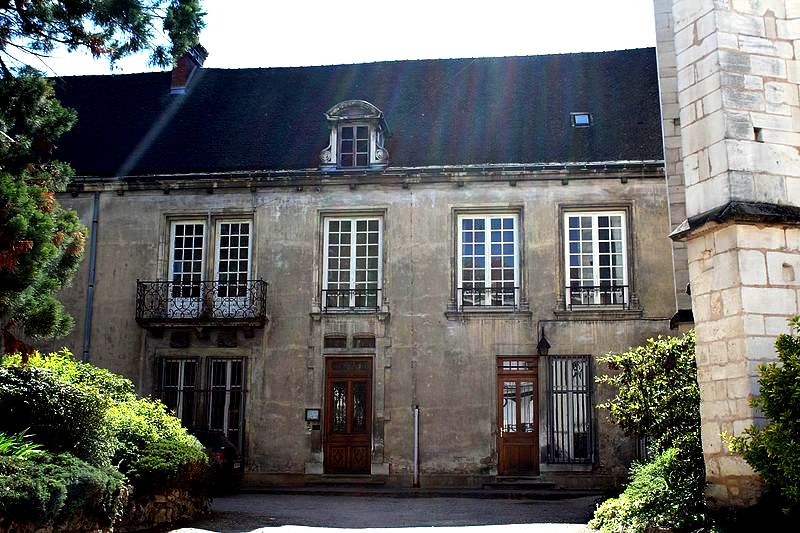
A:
41	244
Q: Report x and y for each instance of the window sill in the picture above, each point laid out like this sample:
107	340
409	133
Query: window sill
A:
381	314
487	312
598	312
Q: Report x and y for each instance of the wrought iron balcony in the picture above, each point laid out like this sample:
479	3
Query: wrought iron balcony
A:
504	298
615	296
351	300
206	303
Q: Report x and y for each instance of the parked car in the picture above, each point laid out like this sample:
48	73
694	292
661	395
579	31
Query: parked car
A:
227	465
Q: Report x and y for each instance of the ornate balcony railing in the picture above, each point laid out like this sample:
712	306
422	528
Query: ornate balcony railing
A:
168	303
492	297
603	295
351	300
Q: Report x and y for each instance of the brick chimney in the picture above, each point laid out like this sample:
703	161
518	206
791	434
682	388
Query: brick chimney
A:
186	67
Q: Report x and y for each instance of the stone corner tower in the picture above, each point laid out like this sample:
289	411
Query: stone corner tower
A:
729	73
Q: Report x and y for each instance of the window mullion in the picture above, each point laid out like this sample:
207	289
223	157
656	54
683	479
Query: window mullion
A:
353	256
596	258
487	260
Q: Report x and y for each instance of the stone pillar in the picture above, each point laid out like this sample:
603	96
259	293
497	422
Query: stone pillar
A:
671	131
737	82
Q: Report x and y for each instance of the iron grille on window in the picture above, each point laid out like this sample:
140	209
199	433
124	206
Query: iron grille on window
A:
571	436
218	406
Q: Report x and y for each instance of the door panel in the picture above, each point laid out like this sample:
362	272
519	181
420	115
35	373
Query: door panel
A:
348	416
517	417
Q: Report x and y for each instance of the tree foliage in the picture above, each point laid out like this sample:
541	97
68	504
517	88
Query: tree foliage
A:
657	397
41	244
774	449
110	28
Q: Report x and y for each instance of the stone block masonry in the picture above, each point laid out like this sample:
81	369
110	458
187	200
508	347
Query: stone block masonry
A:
737	68
744	286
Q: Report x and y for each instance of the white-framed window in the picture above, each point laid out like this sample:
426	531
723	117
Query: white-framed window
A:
571	430
190	245
177	385
352	270
354	146
596	258
187	258
232	267
488	260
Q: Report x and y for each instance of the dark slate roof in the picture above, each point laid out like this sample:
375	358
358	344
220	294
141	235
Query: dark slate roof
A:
439	112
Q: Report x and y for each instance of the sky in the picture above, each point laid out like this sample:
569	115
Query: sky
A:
271	33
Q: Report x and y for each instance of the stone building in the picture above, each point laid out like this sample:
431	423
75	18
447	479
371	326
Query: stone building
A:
729	73
384	269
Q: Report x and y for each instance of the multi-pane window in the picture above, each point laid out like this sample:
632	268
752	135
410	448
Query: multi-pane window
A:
570	436
189	288
488	260
225	397
178	386
186	262
352	263
353	146
596	258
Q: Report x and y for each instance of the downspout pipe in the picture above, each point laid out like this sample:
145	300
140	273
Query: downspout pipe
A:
87	319
416	446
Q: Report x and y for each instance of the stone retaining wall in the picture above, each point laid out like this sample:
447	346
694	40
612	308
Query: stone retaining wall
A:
172	506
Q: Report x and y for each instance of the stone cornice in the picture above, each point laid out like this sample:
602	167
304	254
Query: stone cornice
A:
404	177
737	212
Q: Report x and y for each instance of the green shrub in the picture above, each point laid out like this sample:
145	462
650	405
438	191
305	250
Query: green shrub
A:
60	416
662	493
18	445
657	396
142	423
52	487
774	449
657	393
170	464
93	413
99	381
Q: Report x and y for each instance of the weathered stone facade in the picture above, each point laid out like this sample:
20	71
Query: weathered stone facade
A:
425	352
737	81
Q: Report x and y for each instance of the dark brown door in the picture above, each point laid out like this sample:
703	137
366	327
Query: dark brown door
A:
348	416
517	416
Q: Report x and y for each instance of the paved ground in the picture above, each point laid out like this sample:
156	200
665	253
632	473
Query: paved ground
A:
306	514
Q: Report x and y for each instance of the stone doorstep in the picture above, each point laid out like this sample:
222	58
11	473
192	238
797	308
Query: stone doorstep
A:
408	492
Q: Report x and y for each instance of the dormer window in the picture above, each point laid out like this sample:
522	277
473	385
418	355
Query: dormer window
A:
357	131
353	146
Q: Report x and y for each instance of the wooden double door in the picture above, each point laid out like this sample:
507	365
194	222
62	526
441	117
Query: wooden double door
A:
348	416
517	416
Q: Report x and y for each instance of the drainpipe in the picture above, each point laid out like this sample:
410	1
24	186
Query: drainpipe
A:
87	320
416	446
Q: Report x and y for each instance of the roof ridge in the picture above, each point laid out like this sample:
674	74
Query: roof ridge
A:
435	60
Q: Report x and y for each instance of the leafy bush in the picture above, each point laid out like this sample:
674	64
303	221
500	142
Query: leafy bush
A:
141	423
102	382
52	487
662	493
59	415
170	464
657	393
774	449
657	397
18	446
94	414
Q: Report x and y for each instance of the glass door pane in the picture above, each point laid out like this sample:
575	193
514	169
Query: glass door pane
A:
527	406
509	406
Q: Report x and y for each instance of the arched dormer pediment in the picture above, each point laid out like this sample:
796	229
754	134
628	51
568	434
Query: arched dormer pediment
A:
357	132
